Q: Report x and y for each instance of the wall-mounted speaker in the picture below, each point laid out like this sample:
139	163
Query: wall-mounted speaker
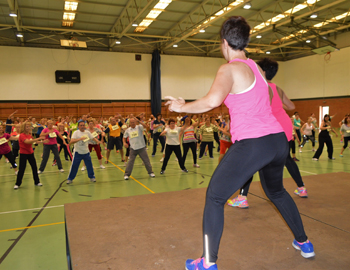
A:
67	76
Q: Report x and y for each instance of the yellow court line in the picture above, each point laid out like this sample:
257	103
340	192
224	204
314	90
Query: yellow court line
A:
36	226
131	177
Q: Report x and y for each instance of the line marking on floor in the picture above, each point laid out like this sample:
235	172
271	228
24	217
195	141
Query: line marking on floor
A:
24	210
30	227
308	172
132	177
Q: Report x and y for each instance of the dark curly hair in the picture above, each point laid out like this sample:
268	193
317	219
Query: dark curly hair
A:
269	66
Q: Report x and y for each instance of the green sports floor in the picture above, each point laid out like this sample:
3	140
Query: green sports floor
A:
40	210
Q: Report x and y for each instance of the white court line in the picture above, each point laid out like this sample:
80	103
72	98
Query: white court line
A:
24	210
308	172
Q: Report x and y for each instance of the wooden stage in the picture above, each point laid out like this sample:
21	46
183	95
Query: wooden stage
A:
161	231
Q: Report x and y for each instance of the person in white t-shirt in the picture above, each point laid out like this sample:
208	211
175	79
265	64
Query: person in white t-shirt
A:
137	146
172	145
81	139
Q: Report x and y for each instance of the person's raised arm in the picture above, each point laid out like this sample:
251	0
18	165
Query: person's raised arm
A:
12	114
288	104
218	92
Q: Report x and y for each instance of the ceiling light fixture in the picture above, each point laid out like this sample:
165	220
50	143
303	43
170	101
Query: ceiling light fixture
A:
202	31
20	35
117	42
175	46
313	16
308	41
247	5
311	2
13	13
70	5
259	36
268	52
134	25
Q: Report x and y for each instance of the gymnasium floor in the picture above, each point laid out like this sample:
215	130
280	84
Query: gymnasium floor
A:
42	246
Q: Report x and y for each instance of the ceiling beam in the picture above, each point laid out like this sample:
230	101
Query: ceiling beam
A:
13	5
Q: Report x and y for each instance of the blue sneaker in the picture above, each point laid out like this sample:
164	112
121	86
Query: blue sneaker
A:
199	264
307	249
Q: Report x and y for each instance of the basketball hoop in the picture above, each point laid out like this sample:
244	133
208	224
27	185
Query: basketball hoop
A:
73	42
327	57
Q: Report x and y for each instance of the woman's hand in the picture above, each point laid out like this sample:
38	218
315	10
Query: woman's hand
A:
174	105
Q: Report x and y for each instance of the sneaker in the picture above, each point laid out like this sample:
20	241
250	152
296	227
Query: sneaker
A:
40	172
61	170
83	168
54	163
301	192
161	160
69	182
16	172
185	170
307	249
316	159
39	184
332	158
295	159
238	202
126	177
199	264
205	154
125	164
196	165
341	155
161	172
92	179
152	175
211	157
153	155
300	151
15	187
176	159
199	157
102	167
313	150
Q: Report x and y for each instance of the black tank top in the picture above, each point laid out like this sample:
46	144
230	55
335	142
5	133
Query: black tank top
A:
325	132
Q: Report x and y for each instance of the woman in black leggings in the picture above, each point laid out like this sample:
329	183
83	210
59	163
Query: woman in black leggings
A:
324	138
189	140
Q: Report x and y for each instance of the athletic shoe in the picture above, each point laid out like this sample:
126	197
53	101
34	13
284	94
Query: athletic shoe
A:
153	155
295	159
16	172
341	155
40	172
161	160
341	141
7	161
205	154
15	187
61	170
300	151
102	167
199	157
196	165
211	157
54	163
161	172
83	168
185	170
238	202
152	175
316	159
126	177
301	192
307	249
125	164
199	264
313	150
39	184
92	179
69	182
333	158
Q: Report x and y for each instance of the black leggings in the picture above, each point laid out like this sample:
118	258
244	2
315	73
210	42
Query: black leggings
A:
155	140
210	148
346	139
217	139
297	131
22	167
169	149
321	141
11	159
308	137
227	179
193	146
293	170
292	146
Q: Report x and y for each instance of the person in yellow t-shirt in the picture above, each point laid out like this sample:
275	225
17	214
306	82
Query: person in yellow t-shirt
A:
114	138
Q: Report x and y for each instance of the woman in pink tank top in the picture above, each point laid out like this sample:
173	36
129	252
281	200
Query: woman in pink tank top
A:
259	143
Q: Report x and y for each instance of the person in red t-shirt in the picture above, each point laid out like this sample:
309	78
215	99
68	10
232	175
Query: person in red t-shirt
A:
5	148
27	153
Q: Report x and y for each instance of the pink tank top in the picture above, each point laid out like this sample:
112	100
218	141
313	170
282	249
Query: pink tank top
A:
280	114
250	111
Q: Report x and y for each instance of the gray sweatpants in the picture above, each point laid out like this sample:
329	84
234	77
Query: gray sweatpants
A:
143	155
46	155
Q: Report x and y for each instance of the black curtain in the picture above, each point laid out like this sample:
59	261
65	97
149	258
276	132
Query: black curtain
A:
156	92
